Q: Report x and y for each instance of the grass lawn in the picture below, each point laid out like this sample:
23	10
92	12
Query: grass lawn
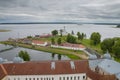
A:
97	48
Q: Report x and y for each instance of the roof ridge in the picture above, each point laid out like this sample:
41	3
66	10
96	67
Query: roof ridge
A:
4	70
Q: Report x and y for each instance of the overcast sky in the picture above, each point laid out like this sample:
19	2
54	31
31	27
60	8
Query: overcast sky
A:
60	10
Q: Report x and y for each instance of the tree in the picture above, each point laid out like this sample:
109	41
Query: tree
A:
53	40
29	37
78	35
61	31
72	32
107	44
116	49
54	32
71	39
24	55
81	36
95	38
59	41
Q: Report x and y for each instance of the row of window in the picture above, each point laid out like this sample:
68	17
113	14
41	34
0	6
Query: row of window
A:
52	78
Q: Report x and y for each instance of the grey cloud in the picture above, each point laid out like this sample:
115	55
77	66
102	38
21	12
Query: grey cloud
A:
60	10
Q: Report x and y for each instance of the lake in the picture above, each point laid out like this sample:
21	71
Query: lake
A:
20	31
34	54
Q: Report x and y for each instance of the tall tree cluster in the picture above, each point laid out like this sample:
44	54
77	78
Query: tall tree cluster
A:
95	38
24	55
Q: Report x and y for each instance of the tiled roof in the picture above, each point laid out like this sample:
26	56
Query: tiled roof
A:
3	72
44	68
38	42
73	45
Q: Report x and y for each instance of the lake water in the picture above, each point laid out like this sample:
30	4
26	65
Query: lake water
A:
20	31
35	55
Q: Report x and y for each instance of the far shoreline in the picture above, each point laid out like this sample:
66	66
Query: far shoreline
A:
3	30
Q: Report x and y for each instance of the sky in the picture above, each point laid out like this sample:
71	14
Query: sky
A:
60	10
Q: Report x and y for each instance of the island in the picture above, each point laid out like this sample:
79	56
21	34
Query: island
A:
75	46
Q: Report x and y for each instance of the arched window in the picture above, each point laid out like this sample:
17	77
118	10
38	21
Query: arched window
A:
71	78
37	78
83	77
67	78
78	77
75	78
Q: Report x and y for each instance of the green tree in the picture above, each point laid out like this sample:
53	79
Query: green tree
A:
54	32
83	36
29	37
78	35
71	39
72	32
24	55
116	49
53	40
61	31
59	41
95	38
107	44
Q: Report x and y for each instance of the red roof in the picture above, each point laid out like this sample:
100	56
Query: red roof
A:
38	42
45	35
2	72
44	68
73	45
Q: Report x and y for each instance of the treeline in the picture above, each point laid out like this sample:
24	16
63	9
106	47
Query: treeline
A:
112	45
70	37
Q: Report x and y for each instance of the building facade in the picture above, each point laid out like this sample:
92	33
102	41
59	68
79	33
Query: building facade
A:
50	70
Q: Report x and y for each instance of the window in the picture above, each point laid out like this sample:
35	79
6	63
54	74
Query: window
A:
83	77
41	78
71	78
78	78
37	78
29	78
33	78
52	78
74	78
67	78
60	78
25	78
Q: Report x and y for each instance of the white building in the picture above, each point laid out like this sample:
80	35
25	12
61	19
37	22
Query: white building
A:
39	43
70	46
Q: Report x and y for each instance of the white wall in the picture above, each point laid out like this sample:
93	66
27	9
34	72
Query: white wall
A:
73	48
47	77
45	44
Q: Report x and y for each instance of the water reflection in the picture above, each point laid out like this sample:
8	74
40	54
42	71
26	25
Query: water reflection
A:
34	54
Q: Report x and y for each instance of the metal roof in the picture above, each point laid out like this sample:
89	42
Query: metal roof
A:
107	55
110	66
94	63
